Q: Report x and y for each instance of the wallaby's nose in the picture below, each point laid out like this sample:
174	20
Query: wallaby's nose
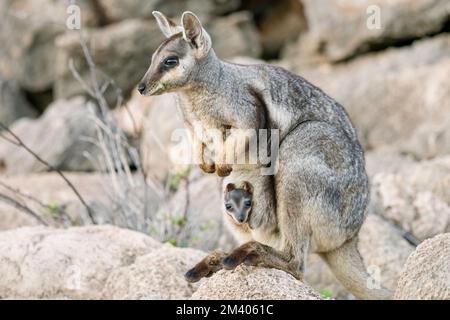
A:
241	219
141	87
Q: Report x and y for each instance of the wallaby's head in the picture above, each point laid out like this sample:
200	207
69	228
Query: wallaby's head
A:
238	201
177	58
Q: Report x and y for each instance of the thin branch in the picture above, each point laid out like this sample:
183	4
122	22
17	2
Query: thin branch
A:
61	212
408	236
51	168
9	139
22	207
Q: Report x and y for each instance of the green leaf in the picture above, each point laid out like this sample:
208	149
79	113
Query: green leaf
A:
326	294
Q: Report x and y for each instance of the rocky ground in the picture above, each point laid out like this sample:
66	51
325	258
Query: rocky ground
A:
124	163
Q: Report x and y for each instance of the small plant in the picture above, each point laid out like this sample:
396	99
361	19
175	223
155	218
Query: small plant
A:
173	242
326	294
207	225
179	222
175	180
52	210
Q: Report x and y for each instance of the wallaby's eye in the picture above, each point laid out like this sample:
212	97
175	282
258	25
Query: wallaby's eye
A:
228	206
171	62
247	203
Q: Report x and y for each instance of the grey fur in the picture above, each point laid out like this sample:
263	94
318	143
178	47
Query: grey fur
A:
318	198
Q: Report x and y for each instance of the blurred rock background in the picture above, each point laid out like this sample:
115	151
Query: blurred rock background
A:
119	155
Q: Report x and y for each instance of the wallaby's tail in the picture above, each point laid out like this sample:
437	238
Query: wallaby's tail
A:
348	267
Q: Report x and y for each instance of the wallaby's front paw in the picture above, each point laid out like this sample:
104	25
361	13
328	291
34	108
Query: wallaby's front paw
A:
195	274
224	170
233	260
208	167
206	268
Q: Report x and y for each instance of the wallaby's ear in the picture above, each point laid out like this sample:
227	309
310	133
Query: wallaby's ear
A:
167	26
194	33
230	187
247	186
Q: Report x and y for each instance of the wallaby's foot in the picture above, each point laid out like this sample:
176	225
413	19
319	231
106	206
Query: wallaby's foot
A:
208	167
207	267
257	254
224	170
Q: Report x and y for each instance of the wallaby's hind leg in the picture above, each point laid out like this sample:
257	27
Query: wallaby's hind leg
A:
257	254
348	267
207	267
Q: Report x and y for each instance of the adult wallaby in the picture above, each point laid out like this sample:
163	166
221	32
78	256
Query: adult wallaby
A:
320	191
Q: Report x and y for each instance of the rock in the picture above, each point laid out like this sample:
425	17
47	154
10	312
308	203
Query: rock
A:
246	283
75	263
383	249
235	35
278	23
340	29
13	104
426	275
202	8
27	36
158	275
412	82
417	197
122	51
384	252
59	137
115	10
386	159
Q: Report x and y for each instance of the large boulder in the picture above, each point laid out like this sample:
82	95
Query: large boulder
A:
394	97
75	263
278	22
28	31
339	29
245	283
60	136
115	10
417	197
158	275
13	104
235	35
386	160
426	274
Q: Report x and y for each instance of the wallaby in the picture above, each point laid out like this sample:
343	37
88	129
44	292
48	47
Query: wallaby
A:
238	202
320	192
249	206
